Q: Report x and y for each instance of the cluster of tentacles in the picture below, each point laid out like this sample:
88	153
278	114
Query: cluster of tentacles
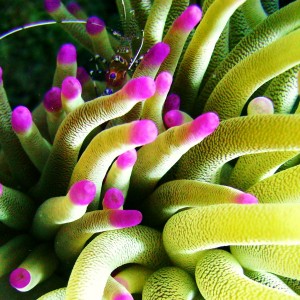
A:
182	184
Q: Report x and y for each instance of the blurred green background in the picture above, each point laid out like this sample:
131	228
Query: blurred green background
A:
28	57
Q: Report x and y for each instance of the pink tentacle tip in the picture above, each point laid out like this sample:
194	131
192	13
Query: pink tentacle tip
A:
140	88
204	125
156	54
19	278
73	7
125	218
71	88
188	19
163	82
172	102
1	189
1	75
67	54
123	297
127	159
143	132
94	25
113	199
52	100
21	119
51	5
173	118
82	75
245	198
82	192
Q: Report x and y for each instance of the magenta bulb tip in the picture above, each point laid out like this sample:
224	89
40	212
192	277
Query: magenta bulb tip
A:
156	54
173	118
246	198
140	88
52	100
204	125
113	198
143	132
19	278
82	192
71	88
163	82
73	7
189	18
21	119
94	25
123	297
127	159
51	5
82	75
125	218
67	54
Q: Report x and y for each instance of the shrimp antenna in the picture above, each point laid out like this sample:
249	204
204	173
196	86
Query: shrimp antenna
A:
42	23
138	52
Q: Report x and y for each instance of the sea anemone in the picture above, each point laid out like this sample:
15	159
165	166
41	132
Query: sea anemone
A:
177	176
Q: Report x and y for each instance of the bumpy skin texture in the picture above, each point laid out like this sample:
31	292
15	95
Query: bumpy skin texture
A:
92	268
170	283
229	224
224	277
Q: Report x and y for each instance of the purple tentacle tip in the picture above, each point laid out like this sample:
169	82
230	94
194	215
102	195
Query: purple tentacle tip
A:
67	54
51	5
123	297
82	192
52	100
156	54
140	88
1	189
173	118
73	7
82	75
245	198
71	88
19	278
163	82
127	159
113	198
143	132
1	75
204	125
94	25
125	218
172	102
21	119
188	19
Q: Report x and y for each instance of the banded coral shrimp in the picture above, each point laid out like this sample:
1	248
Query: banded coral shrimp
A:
28	53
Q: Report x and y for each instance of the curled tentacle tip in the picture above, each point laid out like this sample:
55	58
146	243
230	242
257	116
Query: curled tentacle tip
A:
94	25
71	88
172	102
188	19
21	119
204	125
82	192
245	198
67	54
157	54
173	118
260	105
19	278
127	159
140	88
163	82
125	218
73	7
143	132
82	75
51	5
123	297
52	100
113	198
